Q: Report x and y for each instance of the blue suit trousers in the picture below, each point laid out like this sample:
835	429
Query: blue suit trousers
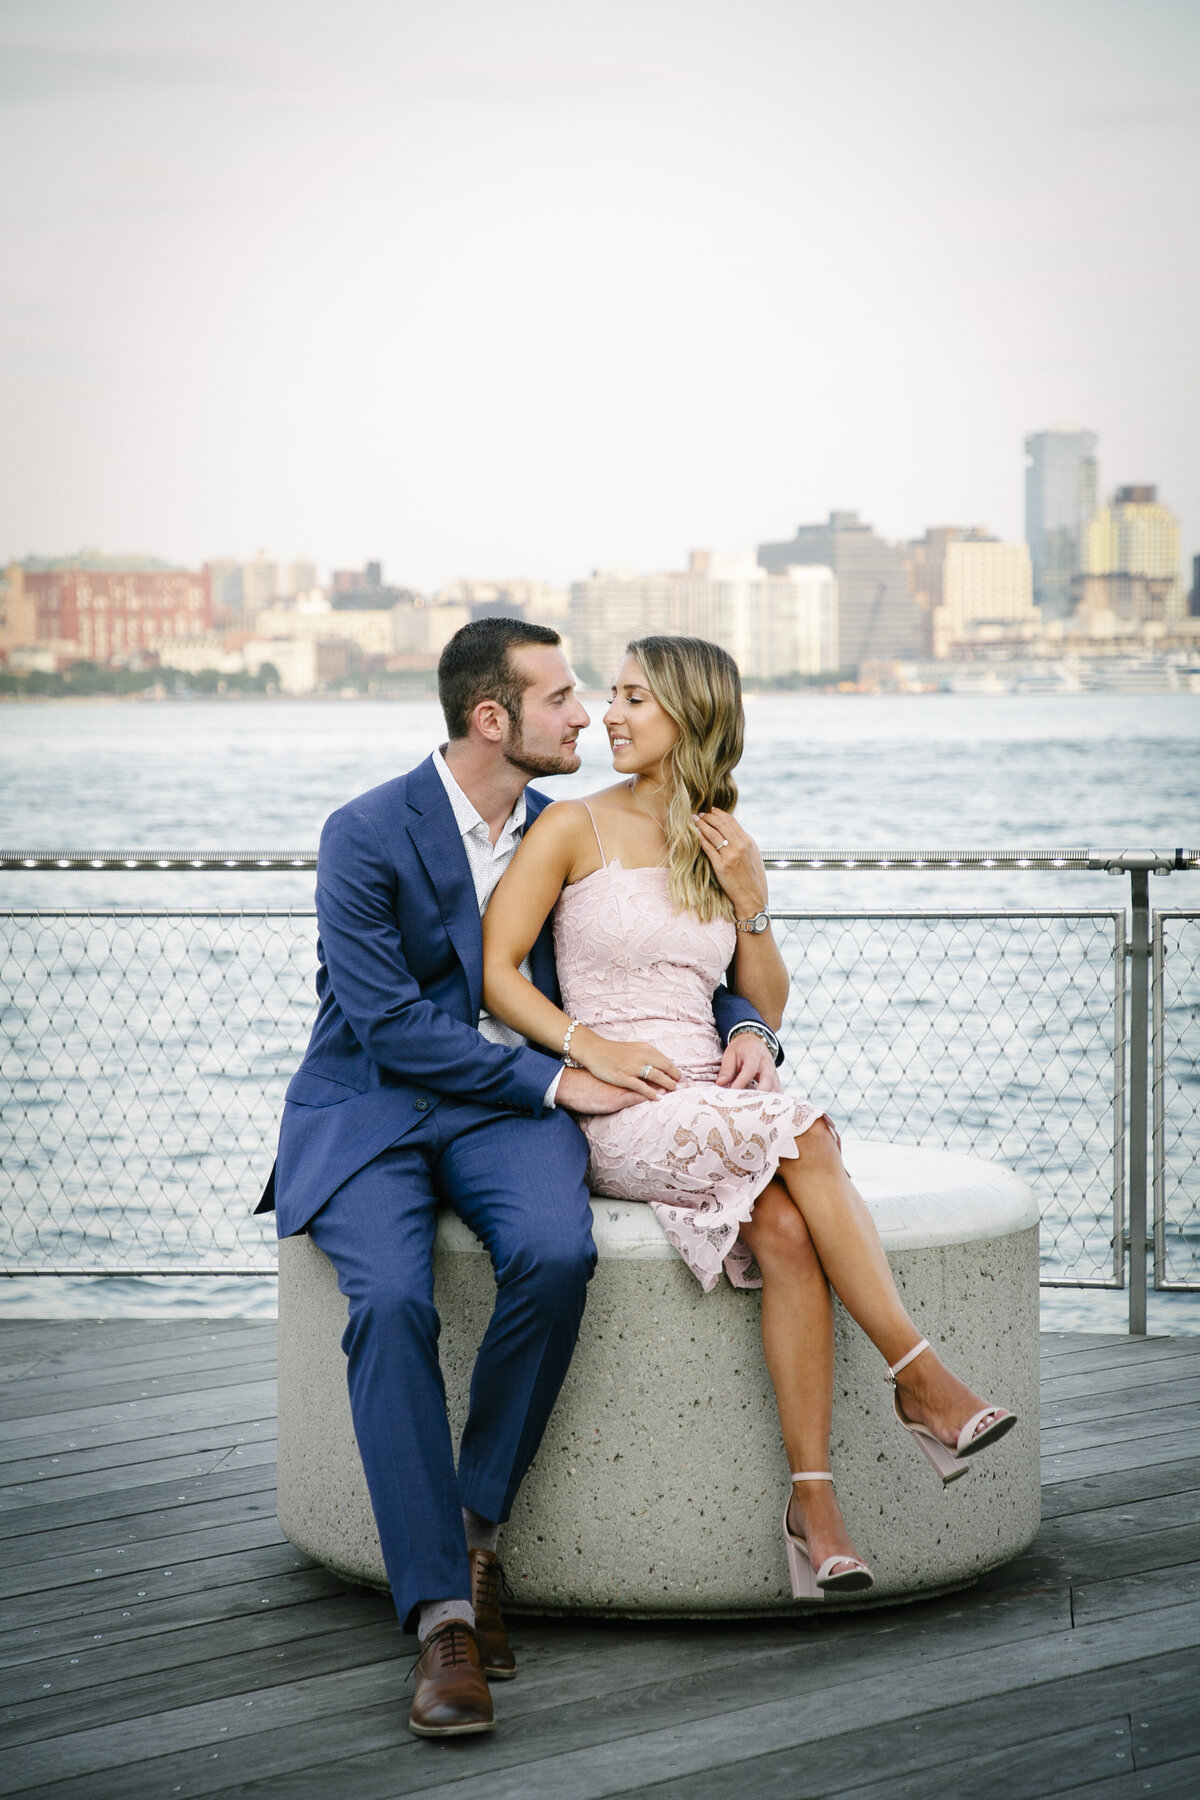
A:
519	1184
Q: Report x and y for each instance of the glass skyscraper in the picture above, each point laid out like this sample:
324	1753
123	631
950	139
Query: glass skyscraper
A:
1060	497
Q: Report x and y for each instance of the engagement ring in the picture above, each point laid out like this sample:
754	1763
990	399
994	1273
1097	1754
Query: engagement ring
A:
724	844
647	1072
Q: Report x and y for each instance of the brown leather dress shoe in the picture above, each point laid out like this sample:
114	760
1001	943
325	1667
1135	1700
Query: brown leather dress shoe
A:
498	1660
451	1695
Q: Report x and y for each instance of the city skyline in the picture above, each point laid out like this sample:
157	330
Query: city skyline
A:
497	289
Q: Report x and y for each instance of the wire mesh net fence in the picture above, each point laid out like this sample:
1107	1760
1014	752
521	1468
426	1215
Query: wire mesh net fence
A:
142	1073
1176	1079
146	1054
997	1034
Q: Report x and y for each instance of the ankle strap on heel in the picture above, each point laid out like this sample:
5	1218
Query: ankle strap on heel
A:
811	1475
895	1368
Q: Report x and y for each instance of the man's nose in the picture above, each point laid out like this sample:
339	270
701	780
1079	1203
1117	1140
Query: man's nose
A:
581	718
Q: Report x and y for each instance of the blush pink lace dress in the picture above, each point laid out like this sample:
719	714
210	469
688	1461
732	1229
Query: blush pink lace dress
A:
631	967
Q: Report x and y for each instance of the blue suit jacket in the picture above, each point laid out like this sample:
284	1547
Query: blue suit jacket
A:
399	985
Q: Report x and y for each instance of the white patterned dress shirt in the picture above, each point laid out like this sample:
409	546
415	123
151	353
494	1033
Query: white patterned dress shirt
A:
487	863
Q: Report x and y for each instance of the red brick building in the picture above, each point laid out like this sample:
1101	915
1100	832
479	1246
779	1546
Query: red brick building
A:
103	607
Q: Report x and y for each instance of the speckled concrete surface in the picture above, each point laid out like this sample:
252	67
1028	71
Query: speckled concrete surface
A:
660	1483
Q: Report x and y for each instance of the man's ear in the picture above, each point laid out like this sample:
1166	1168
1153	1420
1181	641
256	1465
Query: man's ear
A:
490	720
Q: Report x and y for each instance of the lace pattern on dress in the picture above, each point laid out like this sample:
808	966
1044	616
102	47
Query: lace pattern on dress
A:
632	967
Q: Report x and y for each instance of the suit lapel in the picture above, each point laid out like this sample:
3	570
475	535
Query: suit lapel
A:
435	836
541	957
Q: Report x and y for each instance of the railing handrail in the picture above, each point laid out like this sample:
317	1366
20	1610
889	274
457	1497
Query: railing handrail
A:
1073	860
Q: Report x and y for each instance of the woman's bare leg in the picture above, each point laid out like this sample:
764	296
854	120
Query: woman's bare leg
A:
851	1255
797	1334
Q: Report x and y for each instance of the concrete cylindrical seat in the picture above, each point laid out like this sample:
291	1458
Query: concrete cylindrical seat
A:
660	1482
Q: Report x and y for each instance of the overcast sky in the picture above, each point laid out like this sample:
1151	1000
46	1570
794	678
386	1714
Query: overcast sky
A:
533	286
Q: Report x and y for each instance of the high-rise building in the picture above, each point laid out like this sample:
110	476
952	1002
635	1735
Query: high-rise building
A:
610	608
1194	596
877	615
299	577
260	582
772	624
972	586
225	586
363	590
1130	560
1061	488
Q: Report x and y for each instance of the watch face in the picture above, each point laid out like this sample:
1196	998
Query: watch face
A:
761	921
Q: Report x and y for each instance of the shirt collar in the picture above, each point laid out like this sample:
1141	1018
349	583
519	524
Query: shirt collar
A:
465	815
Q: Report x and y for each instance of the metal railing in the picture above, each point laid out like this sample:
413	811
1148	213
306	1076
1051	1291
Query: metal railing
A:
146	1053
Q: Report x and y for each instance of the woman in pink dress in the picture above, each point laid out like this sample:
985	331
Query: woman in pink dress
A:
658	894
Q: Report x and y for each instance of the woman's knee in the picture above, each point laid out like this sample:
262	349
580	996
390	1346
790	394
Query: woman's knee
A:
778	1234
817	1148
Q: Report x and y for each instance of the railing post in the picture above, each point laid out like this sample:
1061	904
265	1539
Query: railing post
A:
1139	1117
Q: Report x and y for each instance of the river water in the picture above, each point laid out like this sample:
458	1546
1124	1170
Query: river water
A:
820	771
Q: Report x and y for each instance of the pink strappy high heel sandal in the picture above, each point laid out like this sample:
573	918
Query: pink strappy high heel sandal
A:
983	1428
813	1584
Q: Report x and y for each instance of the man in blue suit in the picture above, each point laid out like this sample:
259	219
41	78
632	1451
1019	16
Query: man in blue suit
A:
408	1094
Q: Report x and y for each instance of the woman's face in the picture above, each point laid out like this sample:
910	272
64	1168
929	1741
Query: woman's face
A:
639	731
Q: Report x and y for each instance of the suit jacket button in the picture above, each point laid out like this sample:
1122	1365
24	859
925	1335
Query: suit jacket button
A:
421	1105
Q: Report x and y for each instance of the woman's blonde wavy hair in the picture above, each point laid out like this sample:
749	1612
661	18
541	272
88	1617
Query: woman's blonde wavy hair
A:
697	684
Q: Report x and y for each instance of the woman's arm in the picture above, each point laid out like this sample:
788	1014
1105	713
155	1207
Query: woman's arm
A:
549	853
758	972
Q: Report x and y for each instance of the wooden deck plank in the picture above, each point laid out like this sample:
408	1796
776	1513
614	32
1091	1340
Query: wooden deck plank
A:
20	1403
1105	1459
1095	1392
46	1489
105	1535
1120	1428
156	1653
132	1439
41	1343
813	1710
206	1567
82	1569
138	1419
226	1598
113	1505
686	1673
1149	1588
1143	1481
169	1676
1122	1353
194	1339
1054	1344
929	1757
50	1391
1092	1397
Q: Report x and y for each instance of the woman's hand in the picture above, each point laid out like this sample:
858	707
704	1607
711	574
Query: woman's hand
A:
736	861
639	1067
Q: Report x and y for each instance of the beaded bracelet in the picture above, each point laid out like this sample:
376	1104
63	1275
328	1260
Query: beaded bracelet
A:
568	1060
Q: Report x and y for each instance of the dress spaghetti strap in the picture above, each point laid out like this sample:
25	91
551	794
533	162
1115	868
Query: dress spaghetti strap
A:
600	847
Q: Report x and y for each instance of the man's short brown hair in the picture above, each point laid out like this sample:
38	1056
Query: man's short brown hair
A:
477	665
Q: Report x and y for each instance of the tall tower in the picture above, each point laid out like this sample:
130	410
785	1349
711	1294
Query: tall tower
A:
1060	497
1130	567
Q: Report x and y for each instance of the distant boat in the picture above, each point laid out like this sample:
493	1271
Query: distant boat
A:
1148	675
982	680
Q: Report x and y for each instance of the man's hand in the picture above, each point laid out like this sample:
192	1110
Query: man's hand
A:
747	1060
583	1093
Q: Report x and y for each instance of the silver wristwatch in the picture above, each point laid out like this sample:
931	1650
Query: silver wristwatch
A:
749	1029
760	922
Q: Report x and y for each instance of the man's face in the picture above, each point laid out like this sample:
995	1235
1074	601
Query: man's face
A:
543	742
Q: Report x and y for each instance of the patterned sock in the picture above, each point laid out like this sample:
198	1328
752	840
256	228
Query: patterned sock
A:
482	1534
436	1612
